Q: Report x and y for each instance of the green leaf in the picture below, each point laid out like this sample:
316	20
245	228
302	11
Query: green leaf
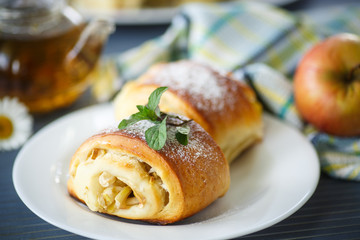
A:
157	112
140	107
126	122
183	129
156	135
152	115
154	98
182	134
133	119
182	138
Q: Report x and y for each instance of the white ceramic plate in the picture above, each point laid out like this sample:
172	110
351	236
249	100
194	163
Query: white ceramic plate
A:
161	15
270	181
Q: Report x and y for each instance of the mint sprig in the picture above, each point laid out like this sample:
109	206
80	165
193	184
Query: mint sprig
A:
156	135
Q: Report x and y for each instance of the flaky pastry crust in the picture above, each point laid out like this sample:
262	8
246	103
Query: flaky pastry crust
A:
227	109
165	186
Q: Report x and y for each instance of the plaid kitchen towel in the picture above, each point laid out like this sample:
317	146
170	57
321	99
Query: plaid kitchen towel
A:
261	44
227	36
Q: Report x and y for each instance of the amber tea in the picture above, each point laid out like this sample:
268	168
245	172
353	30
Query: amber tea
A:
48	72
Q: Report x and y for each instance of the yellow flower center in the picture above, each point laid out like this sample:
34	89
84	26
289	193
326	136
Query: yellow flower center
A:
6	127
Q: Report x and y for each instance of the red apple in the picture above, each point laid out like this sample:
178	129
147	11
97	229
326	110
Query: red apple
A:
327	85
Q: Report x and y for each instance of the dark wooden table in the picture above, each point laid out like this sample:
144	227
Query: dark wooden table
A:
333	212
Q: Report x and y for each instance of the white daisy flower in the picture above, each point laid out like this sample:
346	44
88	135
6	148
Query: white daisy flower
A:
15	124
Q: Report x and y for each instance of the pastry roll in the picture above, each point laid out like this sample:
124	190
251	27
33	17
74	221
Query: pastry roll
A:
227	109
117	173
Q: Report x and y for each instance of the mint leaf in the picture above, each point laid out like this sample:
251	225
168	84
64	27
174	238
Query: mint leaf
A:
126	122
183	129
157	112
140	107
182	134
152	115
156	135
182	138
133	119
154	100
148	114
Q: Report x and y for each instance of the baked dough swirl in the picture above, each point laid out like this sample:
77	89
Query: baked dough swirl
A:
227	109
117	173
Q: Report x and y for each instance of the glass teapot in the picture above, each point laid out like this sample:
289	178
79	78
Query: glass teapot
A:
47	50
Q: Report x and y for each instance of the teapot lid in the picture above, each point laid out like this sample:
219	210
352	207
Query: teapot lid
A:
29	4
35	17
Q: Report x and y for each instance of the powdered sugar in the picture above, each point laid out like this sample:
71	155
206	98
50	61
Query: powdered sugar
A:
206	87
109	130
200	153
138	129
195	149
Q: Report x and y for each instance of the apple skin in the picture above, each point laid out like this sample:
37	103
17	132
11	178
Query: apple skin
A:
327	85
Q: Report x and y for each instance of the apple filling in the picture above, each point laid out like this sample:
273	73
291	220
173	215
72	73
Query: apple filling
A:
118	183
116	194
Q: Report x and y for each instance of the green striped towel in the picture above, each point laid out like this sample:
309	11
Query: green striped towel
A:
261	44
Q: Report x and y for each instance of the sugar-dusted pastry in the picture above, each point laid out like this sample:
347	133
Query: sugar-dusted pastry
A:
225	108
116	172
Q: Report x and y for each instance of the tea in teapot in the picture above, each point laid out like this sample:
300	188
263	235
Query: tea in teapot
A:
47	51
